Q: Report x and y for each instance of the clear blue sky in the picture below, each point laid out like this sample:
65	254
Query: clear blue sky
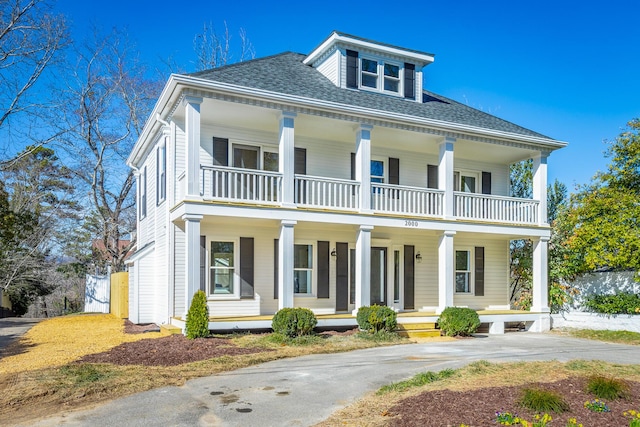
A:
567	69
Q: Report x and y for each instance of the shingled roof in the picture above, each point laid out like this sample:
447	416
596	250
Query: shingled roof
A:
286	74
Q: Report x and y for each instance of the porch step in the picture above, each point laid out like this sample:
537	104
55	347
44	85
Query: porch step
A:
172	329
417	330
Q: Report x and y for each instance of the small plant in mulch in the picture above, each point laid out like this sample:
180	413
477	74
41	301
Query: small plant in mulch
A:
596	405
458	321
197	325
608	388
540	400
633	416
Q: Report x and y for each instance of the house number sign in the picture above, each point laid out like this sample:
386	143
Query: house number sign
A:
410	223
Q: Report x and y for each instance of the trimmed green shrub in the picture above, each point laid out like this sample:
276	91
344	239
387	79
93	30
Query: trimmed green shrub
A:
608	388
197	325
458	321
377	318
294	322
540	400
622	303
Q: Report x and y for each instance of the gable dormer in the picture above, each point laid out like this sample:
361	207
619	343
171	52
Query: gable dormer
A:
352	62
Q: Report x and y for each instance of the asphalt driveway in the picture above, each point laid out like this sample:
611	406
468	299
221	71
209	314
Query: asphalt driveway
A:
13	327
306	390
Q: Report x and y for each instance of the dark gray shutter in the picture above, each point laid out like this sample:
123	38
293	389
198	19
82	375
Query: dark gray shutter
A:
479	271
300	167
432	176
342	276
352	276
323	269
246	267
220	151
409	81
203	264
276	260
486	182
409	274
394	171
352	69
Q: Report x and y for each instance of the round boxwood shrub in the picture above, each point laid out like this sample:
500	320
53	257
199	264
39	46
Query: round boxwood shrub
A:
197	325
458	321
294	322
377	318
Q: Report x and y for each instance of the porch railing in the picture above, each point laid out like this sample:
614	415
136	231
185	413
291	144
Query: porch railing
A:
238	184
495	208
406	200
314	191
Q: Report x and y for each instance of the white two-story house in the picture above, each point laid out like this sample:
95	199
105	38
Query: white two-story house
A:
331	181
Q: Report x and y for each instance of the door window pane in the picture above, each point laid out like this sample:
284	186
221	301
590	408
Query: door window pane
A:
468	184
270	161
245	157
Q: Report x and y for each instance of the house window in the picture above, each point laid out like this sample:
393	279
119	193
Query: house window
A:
463	271
222	269
377	171
369	75
371	70
466	182
161	174
143	194
303	269
270	161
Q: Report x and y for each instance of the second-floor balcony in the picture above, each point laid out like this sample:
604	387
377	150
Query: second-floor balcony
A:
239	185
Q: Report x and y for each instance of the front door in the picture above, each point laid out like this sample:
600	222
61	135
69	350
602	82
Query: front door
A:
378	276
245	157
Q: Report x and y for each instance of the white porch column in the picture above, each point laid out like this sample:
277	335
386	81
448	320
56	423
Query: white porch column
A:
286	157
540	186
445	175
285	264
363	166
192	258
363	267
192	136
446	270
540	301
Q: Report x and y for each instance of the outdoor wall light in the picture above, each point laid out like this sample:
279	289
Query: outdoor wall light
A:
333	252
418	257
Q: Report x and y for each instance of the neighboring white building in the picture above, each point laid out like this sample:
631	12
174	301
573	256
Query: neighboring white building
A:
330	181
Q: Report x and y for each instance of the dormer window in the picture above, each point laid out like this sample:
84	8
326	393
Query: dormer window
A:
371	70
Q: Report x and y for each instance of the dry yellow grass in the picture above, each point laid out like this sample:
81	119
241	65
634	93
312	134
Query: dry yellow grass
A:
58	341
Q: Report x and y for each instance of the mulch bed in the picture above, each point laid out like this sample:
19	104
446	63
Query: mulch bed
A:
167	351
478	407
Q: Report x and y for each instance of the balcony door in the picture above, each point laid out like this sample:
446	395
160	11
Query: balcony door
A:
245	157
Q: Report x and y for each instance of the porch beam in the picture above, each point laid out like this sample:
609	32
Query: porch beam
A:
446	270
363	267
192	135
192	261
286	157
363	166
445	175
285	264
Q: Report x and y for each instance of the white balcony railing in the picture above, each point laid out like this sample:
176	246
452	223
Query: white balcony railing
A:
255	186
238	184
406	200
313	191
495	208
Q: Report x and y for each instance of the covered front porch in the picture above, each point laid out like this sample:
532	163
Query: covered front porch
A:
496	320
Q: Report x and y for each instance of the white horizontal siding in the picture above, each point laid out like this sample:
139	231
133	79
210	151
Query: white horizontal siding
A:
147	298
329	67
179	268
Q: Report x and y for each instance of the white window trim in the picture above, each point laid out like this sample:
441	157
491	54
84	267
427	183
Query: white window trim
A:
236	269
161	173
314	270
459	173
380	75
471	252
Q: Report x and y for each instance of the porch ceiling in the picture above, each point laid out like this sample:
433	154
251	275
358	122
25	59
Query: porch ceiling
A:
260	119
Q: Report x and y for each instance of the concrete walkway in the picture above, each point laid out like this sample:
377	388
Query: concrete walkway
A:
306	390
12	328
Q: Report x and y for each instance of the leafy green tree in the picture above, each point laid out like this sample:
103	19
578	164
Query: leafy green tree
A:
603	218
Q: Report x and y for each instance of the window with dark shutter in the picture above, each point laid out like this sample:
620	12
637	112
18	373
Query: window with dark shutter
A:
479	271
323	269
300	167
220	151
246	267
409	81
394	171
432	176
352	69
